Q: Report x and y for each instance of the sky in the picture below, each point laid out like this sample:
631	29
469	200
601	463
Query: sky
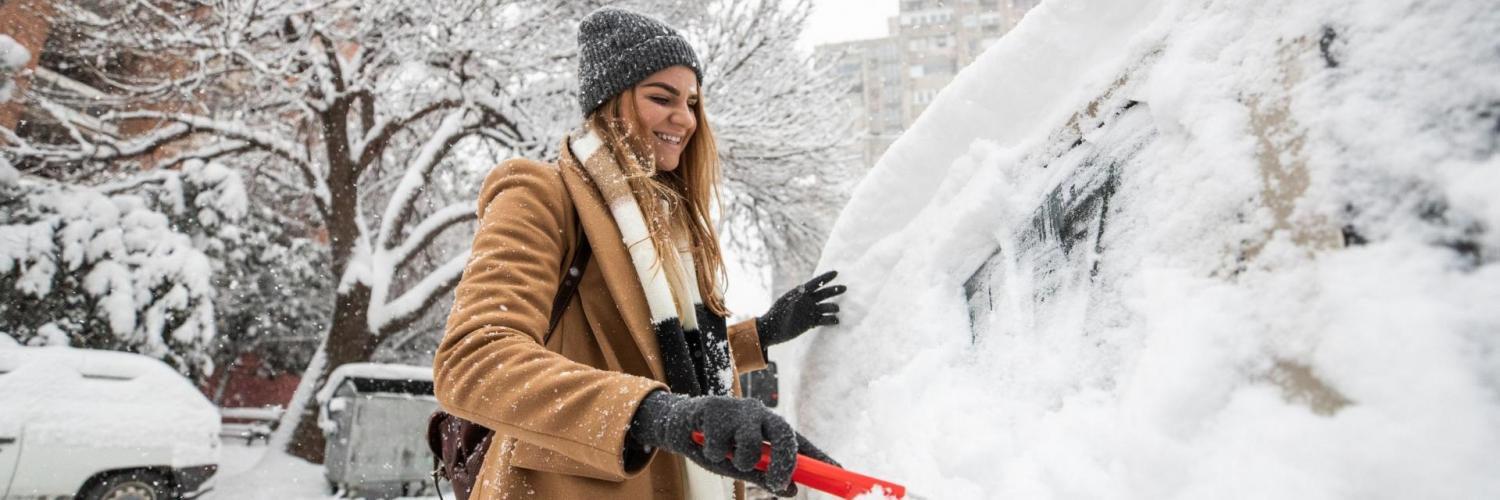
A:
843	20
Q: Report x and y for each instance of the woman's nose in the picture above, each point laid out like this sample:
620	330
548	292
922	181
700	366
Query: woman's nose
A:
684	117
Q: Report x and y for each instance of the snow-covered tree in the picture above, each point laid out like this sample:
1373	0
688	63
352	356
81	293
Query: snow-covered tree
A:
83	268
273	295
380	116
270	283
786	142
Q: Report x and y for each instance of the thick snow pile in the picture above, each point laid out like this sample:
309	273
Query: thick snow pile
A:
66	397
1182	249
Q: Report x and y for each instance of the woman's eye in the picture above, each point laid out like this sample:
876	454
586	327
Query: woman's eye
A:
660	100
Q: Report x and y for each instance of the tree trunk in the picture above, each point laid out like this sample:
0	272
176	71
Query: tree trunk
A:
349	338
349	341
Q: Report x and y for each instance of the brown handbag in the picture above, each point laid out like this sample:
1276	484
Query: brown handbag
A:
458	446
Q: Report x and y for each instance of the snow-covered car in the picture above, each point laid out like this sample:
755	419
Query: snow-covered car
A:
102	424
1180	249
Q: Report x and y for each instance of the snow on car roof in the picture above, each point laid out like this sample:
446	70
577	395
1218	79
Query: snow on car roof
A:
65	395
87	362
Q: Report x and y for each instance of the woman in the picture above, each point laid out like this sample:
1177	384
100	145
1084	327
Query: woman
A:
641	356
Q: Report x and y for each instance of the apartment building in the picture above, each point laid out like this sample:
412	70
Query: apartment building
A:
878	92
897	76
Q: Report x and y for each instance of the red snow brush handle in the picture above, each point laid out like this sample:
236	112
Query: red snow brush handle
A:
826	477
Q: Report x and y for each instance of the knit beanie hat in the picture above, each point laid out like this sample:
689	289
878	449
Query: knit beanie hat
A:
618	48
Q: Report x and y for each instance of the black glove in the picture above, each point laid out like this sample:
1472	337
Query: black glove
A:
729	425
799	310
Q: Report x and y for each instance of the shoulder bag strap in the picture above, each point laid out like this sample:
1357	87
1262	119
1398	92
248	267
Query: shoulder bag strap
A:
569	285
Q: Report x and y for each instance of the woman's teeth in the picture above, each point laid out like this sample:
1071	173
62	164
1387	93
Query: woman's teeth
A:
669	139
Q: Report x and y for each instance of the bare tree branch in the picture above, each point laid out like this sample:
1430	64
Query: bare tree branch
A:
426	233
423	295
418	171
379	135
233	131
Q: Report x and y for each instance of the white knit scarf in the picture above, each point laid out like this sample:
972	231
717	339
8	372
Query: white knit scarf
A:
692	339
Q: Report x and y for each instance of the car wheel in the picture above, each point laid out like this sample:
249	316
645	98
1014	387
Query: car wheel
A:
133	485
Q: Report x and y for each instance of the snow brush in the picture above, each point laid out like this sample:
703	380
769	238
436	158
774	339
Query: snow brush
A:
829	478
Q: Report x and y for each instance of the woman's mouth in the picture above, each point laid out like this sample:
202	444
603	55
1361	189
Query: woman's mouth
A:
674	140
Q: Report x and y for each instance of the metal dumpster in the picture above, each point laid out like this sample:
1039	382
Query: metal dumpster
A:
375	420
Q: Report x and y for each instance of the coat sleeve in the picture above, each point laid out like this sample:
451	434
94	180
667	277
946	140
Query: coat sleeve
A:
491	367
744	345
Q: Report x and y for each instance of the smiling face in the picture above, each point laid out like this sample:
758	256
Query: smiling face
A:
665	105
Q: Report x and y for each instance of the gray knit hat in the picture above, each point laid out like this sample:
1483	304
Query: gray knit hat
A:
618	48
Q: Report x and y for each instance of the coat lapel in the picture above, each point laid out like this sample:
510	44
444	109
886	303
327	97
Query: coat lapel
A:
614	262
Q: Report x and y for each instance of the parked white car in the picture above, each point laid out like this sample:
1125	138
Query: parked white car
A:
101	424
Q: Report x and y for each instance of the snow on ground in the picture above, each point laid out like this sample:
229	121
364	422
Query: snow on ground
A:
253	472
237	457
1181	249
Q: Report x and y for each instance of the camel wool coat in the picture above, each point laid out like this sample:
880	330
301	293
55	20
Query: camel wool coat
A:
559	404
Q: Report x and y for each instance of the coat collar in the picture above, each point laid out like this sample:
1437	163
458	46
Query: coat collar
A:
612	258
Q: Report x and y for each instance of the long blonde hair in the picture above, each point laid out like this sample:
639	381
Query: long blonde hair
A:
689	190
